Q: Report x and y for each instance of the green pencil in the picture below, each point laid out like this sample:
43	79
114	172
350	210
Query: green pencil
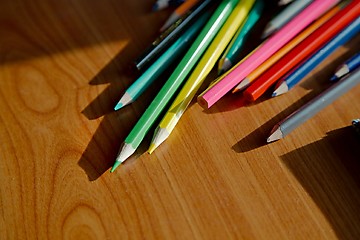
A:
159	103
163	62
231	54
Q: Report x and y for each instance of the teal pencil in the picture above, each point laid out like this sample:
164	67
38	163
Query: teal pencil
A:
231	54
180	73
162	63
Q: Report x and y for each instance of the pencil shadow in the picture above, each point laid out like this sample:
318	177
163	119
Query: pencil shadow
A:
257	138
46	27
328	170
103	147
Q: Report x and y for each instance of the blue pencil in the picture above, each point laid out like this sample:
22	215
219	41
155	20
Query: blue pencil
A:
296	75
347	67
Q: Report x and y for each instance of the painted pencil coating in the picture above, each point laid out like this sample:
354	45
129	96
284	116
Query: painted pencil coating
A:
156	107
162	63
202	69
310	45
273	44
169	36
230	55
296	75
285	49
284	16
304	113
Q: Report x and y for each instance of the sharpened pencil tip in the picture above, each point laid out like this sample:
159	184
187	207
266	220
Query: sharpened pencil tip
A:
155	7
116	164
161	134
280	89
276	134
226	65
118	106
333	78
269	29
151	148
125	100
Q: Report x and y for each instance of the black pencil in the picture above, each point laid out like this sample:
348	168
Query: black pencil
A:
170	35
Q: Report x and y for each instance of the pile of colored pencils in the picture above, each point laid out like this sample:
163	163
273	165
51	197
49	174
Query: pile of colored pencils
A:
202	34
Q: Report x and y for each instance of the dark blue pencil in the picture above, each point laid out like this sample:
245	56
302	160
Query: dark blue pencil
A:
296	75
347	67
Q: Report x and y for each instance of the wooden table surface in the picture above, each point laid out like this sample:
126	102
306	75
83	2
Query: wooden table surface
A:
63	67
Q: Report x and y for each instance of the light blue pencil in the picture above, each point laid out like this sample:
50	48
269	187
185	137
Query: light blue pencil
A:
304	113
162	63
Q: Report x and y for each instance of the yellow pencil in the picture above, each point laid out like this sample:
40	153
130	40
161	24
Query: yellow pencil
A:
200	72
284	50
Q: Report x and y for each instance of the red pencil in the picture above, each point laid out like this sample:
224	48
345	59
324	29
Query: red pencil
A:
309	45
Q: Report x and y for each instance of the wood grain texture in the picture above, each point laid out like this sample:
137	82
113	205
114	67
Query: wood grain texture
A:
63	67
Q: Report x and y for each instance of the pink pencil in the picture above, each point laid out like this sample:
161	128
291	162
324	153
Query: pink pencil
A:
273	44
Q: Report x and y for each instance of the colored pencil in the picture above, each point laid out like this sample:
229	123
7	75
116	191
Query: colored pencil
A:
284	16
165	94
347	67
218	79
178	13
284	2
296	75
198	75
311	44
162	63
301	115
162	4
170	35
287	48
268	48
231	54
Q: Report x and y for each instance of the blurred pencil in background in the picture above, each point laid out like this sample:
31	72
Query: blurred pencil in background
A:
169	36
162	4
232	52
178	13
284	16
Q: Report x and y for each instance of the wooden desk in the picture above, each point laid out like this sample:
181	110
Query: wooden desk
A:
61	72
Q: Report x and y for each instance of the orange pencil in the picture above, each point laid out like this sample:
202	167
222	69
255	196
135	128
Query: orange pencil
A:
178	13
311	44
287	48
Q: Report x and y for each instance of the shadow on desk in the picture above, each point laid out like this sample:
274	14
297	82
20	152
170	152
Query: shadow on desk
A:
329	170
103	147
